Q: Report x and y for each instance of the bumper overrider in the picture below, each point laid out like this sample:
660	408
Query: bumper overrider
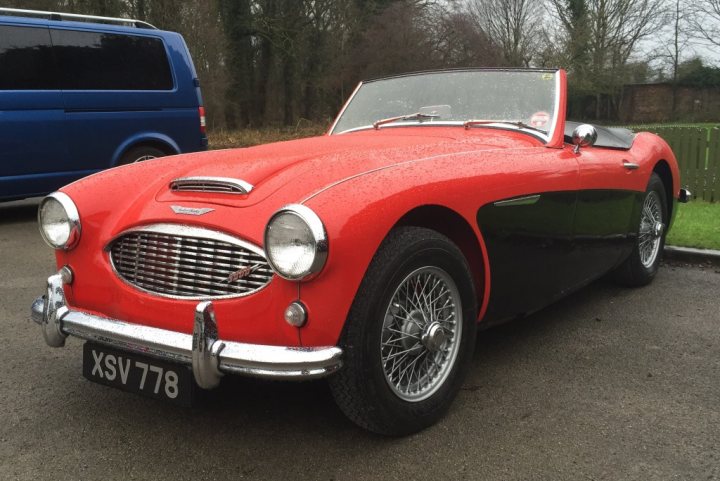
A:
209	356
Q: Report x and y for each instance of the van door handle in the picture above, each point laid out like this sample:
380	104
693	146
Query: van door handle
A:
630	165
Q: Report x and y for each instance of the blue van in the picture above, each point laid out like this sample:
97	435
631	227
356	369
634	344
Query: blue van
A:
79	94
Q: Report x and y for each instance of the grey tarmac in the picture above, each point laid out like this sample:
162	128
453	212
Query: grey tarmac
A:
608	384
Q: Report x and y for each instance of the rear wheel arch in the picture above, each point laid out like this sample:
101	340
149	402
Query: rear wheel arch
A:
641	266
662	169
455	227
154	143
157	144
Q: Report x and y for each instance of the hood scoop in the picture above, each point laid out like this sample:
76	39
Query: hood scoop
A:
219	185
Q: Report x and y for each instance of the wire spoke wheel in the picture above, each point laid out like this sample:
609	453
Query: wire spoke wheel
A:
651	229
409	336
421	334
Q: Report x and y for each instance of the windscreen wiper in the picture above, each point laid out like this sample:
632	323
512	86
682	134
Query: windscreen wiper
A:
416	116
517	123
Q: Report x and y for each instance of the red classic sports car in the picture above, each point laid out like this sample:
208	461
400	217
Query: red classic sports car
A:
437	202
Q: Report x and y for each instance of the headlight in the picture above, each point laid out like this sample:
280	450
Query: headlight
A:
59	221
295	242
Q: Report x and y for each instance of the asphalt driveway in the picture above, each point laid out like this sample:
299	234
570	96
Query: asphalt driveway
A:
610	383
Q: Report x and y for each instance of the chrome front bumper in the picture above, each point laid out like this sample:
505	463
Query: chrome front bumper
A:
209	356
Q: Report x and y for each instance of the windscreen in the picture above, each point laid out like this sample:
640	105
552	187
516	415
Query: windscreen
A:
454	97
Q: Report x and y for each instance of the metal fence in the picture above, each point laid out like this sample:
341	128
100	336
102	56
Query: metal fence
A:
698	153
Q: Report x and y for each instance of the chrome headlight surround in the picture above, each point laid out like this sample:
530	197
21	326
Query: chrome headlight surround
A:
312	236
68	220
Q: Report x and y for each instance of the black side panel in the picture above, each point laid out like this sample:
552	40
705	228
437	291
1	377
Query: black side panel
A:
541	251
605	231
530	250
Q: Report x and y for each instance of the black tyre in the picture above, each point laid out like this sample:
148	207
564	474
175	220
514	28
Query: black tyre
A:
409	336
640	268
140	154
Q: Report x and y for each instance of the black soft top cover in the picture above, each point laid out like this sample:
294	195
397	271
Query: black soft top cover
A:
608	137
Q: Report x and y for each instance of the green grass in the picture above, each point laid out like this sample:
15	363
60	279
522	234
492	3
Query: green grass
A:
697	224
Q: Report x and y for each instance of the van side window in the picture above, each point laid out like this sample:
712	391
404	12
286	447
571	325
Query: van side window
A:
26	59
106	61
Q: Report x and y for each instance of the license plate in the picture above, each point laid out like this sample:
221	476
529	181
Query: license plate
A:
139	374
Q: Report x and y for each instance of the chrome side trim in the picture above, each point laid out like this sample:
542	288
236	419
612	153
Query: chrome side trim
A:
525	200
209	357
223	185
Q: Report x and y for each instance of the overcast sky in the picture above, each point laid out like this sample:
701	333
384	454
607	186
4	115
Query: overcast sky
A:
659	44
694	47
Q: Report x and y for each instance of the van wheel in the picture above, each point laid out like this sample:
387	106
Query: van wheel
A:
139	154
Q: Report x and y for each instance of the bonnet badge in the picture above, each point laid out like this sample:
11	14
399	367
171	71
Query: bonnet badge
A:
178	209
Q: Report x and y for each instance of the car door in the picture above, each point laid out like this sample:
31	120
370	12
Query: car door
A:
528	231
607	201
33	154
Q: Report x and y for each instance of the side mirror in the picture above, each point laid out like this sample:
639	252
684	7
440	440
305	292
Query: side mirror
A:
584	135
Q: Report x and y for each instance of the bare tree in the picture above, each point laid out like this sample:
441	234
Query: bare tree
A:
680	40
461	43
705	21
613	30
272	62
514	24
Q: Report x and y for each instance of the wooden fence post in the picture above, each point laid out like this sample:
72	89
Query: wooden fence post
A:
698	155
713	165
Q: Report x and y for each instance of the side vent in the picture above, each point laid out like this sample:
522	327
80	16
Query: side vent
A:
221	185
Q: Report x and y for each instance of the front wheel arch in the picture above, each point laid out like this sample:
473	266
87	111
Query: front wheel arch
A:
361	388
449	223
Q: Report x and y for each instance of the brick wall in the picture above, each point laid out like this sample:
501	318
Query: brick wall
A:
650	103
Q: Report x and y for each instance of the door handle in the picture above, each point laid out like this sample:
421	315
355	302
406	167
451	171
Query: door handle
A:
630	165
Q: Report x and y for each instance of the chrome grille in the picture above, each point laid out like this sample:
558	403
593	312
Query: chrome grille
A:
222	185
188	262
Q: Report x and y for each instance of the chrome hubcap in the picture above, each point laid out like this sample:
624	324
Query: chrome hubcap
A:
658	229
421	334
651	229
434	337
